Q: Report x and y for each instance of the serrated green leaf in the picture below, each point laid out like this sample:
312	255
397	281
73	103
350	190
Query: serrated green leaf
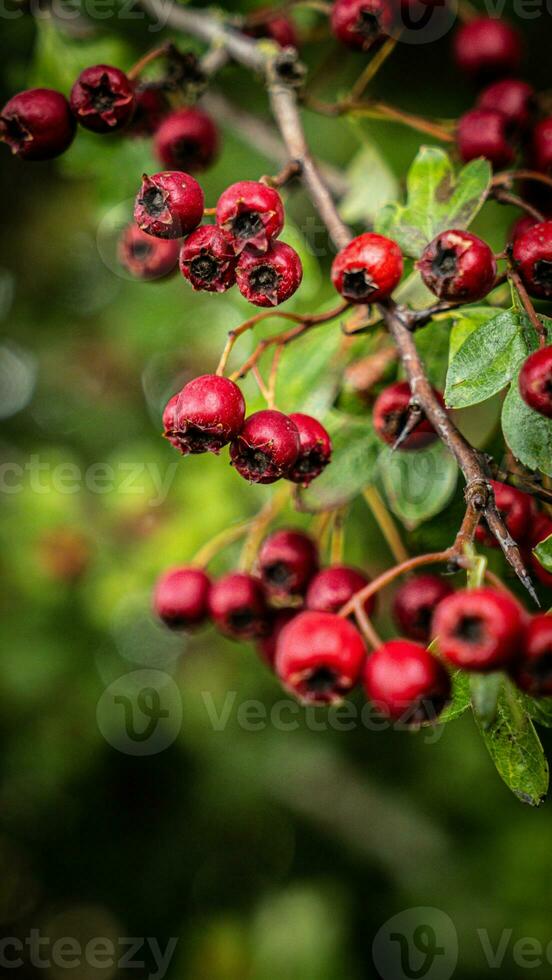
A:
418	485
353	465
436	200
539	709
528	434
371	184
485	690
543	553
465	321
515	748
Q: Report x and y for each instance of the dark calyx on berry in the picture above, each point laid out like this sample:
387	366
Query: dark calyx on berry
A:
187	139
315	449
252	213
145	257
102	98
266	448
207	259
478	629
391	415
458	266
287	562
208	414
319	656
271	277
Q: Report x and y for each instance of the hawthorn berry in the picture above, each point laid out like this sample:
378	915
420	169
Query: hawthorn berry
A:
269	278
333	587
315	449
478	629
208	414
151	106
541	529
405	682
532	255
368	269
37	124
487	47
542	145
237	606
521	225
181	597
252	213
458	266
287	562
361	23
169	204
391	414
512	97
485	133
535	381
278	28
319	657
415	603
266	645
533	671
207	259
102	99
266	448
169	421
187	139
146	257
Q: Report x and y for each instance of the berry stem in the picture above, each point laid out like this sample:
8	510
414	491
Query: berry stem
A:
366	628
211	548
509	177
506	197
386	524
163	51
337	549
442	131
419	561
527	303
371	70
288	172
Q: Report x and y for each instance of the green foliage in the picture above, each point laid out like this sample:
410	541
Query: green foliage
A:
485	690
543	552
437	200
354	459
528	434
371	185
419	484
460	701
59	58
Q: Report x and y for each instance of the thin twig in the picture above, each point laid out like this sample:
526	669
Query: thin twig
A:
527	303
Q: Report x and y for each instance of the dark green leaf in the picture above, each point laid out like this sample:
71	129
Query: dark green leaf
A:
543	552
418	485
59	58
460	697
528	434
353	464
465	321
311	370
485	689
539	709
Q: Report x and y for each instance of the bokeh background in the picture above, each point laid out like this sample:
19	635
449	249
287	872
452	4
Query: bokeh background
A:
267	853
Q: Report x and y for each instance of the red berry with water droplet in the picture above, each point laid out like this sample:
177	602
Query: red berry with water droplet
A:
532	255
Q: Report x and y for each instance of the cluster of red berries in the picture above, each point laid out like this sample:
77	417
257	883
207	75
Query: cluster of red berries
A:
209	413
240	248
290	608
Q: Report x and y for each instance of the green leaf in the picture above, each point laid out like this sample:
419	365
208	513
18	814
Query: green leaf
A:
371	184
311	370
543	553
489	359
515	748
539	709
460	697
436	200
465	321
59	58
485	690
528	434
418	485
353	465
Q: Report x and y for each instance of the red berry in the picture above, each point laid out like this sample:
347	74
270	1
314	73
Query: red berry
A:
512	97
146	257
458	266
169	204
416	601
485	133
151	106
541	529
207	259
181	597
237	606
208	414
37	124
102	99
187	139
535	381
515	508
367	269
533	671
390	415
488	47
169	421
266	645
532	254
478	629
278	28
287	562
333	587
266	448
406	682
319	657
542	145
269	278
252	213
361	23
315	449
521	225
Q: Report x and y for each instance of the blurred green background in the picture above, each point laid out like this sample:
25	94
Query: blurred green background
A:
268	851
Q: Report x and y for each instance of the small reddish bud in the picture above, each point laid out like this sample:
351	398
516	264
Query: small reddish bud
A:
287	562
278	28
512	97
181	597
169	204
146	257
271	277
151	106
532	254
252	213
485	133
391	414
361	23
368	269
315	449
458	266
237	606
319	657
333	587
535	381
487	47
533	672
208	414
415	603
478	629
405	682
207	259
187	139
102	99
37	124
266	448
